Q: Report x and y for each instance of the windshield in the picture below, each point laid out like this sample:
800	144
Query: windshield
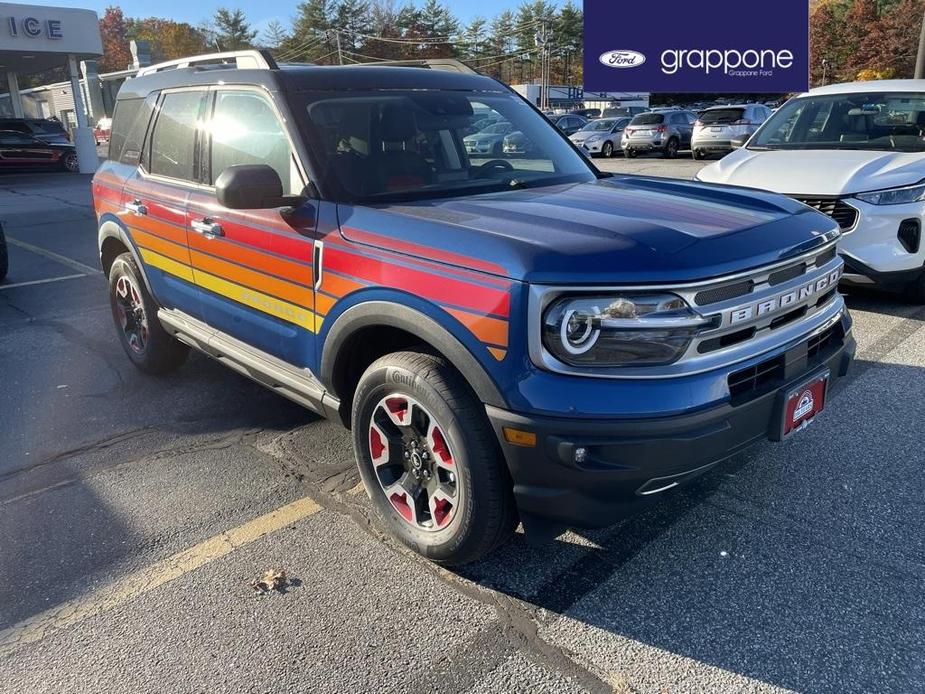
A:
648	119
600	125
722	115
412	144
876	120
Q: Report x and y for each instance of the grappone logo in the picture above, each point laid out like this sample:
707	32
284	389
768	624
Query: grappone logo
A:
622	59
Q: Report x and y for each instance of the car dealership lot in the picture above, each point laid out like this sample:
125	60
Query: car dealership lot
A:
135	511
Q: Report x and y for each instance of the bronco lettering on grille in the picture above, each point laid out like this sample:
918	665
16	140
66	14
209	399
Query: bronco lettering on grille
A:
786	299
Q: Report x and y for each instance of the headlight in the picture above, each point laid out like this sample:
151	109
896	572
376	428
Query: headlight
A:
620	329
894	196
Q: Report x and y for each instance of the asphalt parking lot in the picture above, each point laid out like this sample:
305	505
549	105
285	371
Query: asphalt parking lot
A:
135	512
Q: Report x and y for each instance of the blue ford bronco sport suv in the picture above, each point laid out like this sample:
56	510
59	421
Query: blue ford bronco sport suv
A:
509	339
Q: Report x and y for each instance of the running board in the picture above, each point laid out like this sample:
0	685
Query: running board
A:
298	385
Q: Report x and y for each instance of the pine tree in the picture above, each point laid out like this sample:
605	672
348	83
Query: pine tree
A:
274	35
231	30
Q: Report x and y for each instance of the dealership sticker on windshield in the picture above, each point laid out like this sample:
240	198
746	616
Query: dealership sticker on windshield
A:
692	51
803	403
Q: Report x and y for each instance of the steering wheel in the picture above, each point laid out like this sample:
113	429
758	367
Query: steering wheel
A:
491	166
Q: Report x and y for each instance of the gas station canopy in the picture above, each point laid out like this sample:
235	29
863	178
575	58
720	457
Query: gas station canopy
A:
33	38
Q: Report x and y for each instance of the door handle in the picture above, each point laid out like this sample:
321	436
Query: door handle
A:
208	227
137	207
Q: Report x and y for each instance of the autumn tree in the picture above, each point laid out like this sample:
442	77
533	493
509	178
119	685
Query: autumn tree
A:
116	53
168	39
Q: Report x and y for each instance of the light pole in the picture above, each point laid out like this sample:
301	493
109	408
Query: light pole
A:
825	65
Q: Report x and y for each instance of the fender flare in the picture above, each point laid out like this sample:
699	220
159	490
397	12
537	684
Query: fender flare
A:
110	229
389	314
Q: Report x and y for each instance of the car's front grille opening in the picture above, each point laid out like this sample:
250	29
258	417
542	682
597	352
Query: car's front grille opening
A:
727	340
825	257
836	208
757	378
789	317
826	298
788	273
724	293
816	347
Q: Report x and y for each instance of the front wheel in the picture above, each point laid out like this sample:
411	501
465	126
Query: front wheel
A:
143	338
429	459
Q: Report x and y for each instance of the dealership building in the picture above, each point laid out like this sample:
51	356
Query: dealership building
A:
35	39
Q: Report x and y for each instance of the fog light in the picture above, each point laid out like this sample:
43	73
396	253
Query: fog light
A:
581	455
910	233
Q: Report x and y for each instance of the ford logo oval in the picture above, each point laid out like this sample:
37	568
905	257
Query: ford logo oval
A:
622	59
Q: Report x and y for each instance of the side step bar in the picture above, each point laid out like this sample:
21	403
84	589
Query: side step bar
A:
298	385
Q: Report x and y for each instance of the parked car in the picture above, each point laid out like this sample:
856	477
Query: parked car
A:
587	113
4	256
667	131
46	129
568	123
489	140
21	151
102	130
508	341
621	111
718	129
857	153
601	136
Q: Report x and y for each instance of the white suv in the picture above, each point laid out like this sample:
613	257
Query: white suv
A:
718	128
857	153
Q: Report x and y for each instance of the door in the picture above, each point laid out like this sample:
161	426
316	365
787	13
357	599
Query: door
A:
254	266
155	196
19	149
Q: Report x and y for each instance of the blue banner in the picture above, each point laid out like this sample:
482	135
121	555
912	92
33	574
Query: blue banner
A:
719	46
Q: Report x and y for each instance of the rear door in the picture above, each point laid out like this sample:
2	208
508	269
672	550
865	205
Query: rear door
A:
19	150
254	266
155	196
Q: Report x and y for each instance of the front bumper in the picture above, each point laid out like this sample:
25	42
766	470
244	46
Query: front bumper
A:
872	247
630	462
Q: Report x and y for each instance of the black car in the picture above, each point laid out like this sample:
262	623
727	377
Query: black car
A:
569	123
21	151
45	129
588	113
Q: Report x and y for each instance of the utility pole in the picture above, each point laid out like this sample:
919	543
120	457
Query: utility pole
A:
340	55
543	42
920	58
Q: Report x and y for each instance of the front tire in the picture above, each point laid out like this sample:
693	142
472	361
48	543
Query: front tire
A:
69	162
147	344
429	459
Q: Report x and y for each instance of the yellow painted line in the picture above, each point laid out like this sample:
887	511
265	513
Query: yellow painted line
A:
358	489
140	582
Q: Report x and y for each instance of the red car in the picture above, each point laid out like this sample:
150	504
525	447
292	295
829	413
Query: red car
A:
21	151
102	130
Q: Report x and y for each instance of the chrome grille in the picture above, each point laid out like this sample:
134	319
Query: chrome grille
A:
836	208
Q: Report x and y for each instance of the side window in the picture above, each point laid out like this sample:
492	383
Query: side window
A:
129	123
246	130
173	141
14	138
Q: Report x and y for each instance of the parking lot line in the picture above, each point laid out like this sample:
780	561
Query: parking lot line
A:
150	577
64	260
45	281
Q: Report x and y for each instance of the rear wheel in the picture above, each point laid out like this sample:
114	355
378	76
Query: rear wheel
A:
697	154
607	150
69	162
143	338
671	148
429	459
631	153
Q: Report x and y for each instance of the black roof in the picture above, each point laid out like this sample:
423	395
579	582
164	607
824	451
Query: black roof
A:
296	78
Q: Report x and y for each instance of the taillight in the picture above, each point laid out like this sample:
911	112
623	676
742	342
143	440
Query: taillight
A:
662	129
698	122
630	131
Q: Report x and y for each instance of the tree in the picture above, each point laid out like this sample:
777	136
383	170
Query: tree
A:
859	33
116	53
168	39
827	48
231	30
309	39
274	35
475	40
899	30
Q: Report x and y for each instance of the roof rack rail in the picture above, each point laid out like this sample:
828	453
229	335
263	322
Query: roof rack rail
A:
241	60
450	64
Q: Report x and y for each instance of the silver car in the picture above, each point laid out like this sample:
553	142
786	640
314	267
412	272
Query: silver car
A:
667	131
488	140
601	136
722	128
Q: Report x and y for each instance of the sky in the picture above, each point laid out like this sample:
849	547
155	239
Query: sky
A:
259	12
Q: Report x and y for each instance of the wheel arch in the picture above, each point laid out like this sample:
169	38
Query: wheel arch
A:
369	330
114	241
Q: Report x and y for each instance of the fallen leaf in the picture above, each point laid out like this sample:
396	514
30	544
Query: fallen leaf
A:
272	579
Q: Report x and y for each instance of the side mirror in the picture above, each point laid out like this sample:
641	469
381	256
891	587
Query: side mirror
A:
739	141
252	187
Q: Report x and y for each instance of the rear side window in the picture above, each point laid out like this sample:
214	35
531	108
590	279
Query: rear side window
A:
245	130
129	124
47	126
173	141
